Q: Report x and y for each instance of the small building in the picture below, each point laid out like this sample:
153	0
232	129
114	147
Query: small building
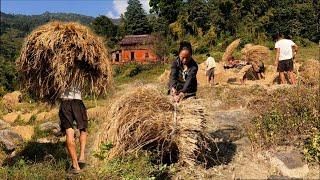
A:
135	48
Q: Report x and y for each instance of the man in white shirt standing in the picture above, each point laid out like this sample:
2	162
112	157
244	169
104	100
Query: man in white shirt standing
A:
285	51
73	110
210	65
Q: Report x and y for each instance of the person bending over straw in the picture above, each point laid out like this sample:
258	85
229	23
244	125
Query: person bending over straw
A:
73	110
285	50
183	76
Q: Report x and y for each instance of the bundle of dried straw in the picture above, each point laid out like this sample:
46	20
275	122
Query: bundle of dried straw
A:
230	49
57	55
143	120
255	53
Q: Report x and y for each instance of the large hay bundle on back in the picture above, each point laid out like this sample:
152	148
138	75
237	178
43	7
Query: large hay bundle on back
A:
255	53
309	72
57	55
230	49
143	120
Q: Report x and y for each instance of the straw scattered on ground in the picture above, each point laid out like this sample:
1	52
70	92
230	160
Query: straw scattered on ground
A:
57	55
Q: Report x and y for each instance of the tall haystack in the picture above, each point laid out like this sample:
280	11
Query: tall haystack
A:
57	55
143	120
230	49
309	72
255	53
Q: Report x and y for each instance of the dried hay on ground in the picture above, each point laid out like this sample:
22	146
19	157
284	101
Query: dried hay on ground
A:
164	77
96	112
26	132
309	72
11	100
57	55
143	120
255	53
230	49
11	117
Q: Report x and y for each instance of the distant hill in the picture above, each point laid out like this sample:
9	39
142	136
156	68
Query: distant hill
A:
25	23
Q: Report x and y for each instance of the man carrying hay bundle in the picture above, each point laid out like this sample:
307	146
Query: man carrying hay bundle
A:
285	50
58	60
183	76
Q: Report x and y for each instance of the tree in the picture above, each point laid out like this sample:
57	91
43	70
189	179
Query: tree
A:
136	21
166	8
159	25
102	25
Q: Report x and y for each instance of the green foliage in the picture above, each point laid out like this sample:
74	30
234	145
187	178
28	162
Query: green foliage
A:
8	76
134	167
32	119
169	9
312	148
103	150
103	26
136	21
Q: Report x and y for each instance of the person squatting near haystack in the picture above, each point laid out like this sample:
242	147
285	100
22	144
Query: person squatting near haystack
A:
248	69
285	51
210	66
183	75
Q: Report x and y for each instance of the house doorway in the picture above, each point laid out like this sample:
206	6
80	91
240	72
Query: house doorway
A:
132	56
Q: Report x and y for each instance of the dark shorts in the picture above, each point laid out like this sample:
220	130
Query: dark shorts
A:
285	65
73	111
210	72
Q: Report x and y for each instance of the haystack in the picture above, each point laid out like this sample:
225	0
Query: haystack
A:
230	49
255	53
143	120
57	55
11	100
309	72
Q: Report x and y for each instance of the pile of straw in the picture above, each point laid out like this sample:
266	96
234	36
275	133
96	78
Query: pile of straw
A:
11	100
57	55
255	53
309	72
143	120
230	49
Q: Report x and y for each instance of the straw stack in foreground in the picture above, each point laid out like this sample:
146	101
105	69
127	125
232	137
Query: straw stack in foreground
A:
57	55
143	120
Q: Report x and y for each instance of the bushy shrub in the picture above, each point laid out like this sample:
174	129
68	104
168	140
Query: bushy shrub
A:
284	116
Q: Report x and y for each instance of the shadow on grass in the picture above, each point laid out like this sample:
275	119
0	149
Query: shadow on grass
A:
34	152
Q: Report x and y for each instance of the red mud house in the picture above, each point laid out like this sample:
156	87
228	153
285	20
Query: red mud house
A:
135	48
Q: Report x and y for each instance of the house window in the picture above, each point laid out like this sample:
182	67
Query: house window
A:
132	56
117	57
147	55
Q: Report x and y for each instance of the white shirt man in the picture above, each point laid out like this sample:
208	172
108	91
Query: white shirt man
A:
285	49
210	65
